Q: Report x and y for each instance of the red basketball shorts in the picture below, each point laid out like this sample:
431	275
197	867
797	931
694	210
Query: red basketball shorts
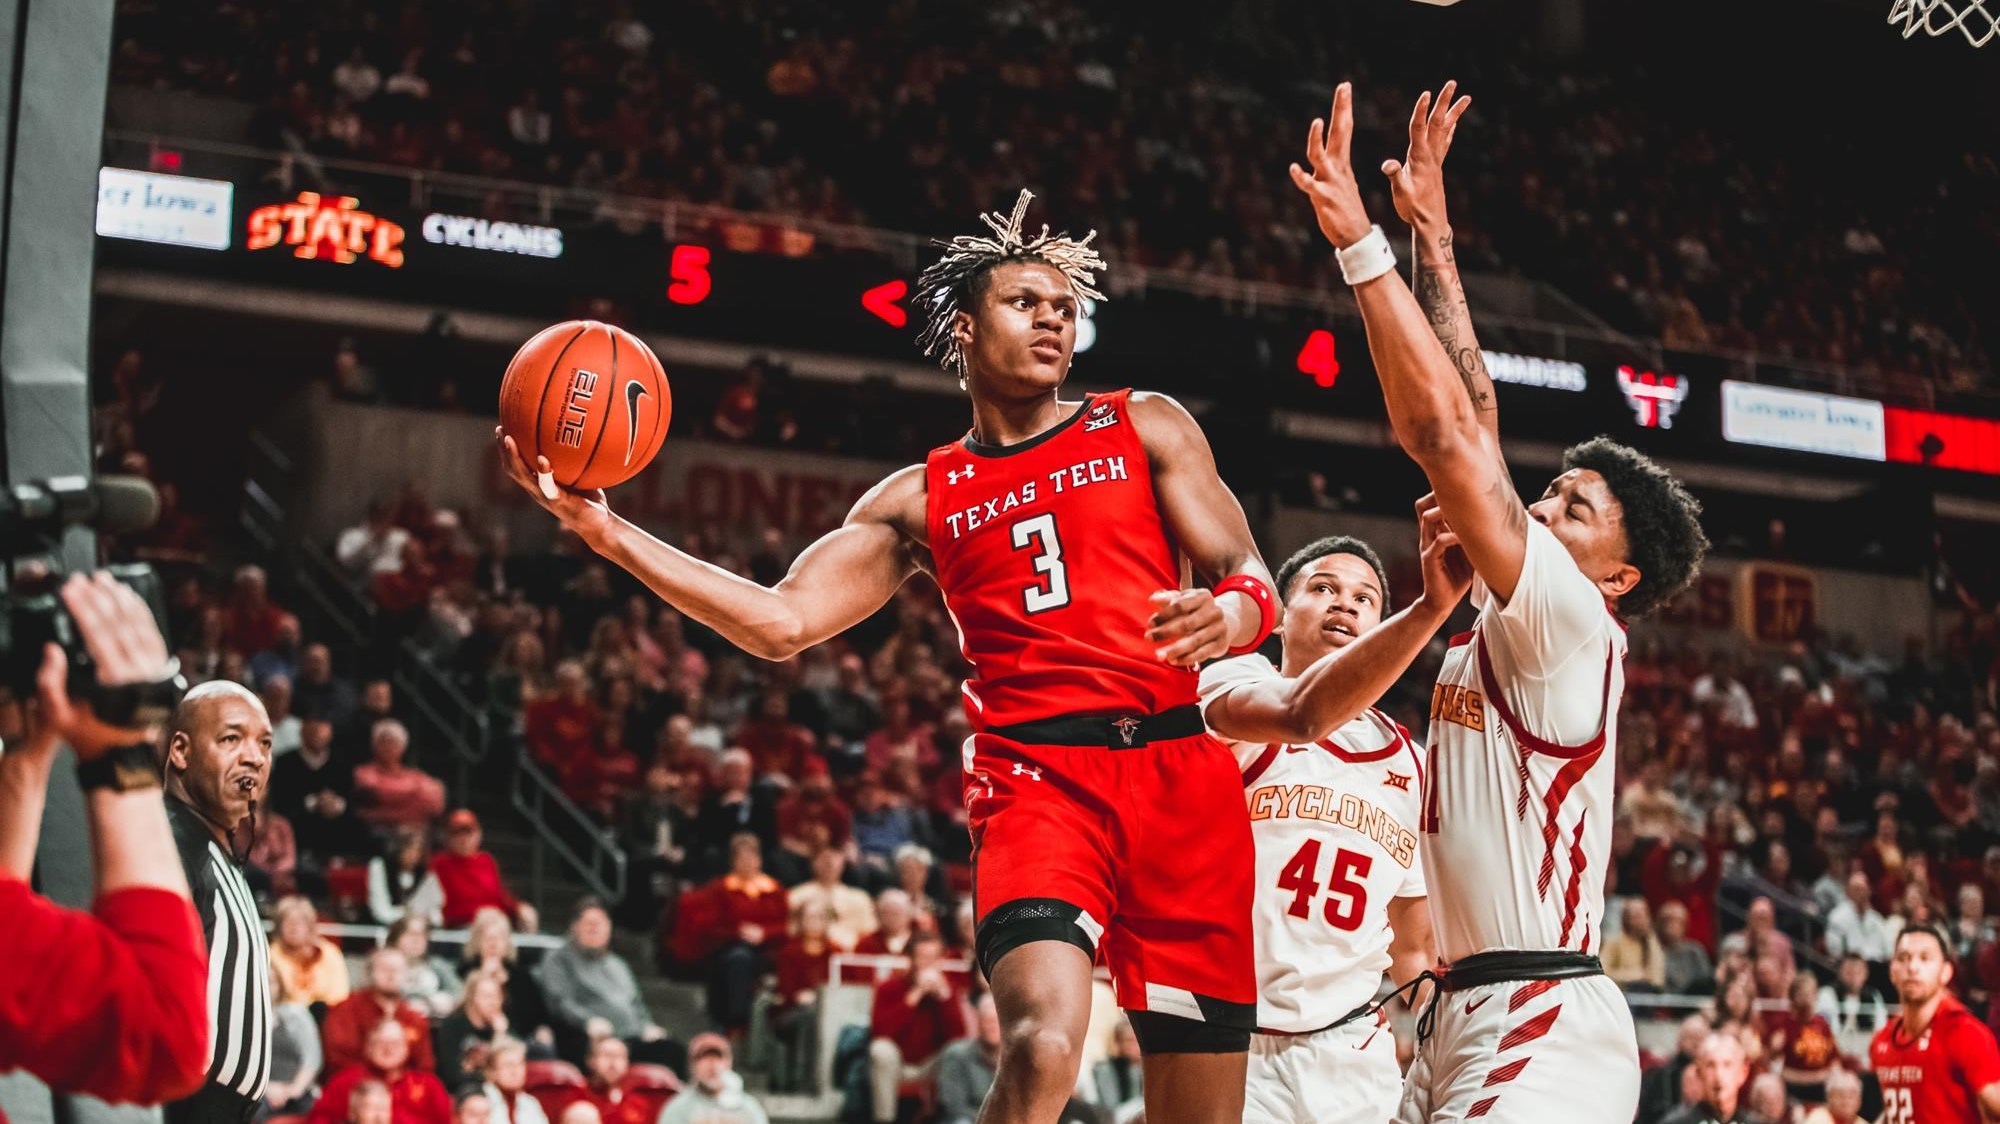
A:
1142	857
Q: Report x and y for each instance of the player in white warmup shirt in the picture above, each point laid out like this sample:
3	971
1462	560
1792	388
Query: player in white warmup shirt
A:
1520	788
1335	790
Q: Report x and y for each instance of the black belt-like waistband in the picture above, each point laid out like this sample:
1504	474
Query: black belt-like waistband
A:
1130	731
1484	968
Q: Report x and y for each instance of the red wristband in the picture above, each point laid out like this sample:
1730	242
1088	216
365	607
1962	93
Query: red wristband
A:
1267	607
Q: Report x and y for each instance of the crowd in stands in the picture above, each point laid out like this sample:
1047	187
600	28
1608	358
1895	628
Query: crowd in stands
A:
1667	216
1783	815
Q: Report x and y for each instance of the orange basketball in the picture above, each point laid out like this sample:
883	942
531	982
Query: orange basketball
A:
590	397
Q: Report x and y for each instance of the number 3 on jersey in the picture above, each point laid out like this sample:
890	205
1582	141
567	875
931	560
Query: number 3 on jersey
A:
1346	897
1052	592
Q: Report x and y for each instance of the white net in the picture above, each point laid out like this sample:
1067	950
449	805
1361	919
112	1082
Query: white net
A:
1941	17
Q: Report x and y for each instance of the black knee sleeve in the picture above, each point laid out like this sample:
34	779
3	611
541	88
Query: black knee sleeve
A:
1024	921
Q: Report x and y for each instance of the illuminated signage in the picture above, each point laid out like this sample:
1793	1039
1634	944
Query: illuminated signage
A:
688	269
1809	423
499	237
1529	370
1655	399
1942	440
327	228
175	210
1317	359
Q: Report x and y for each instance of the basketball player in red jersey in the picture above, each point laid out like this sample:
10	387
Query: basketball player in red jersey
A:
1104	819
1937	1063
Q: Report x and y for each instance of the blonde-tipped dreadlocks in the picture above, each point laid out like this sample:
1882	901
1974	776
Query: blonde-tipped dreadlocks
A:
943	288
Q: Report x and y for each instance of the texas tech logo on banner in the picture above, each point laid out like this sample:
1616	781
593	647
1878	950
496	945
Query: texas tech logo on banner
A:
1655	399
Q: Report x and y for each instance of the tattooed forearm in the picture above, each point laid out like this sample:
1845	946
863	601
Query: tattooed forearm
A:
1441	294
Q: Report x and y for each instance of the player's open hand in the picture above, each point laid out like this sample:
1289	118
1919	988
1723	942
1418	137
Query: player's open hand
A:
1188	628
1447	571
586	513
1327	178
1416	182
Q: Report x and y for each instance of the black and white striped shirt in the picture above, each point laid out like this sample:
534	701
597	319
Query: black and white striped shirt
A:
239	959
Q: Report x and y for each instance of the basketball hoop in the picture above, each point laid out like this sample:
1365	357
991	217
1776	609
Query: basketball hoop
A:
1939	17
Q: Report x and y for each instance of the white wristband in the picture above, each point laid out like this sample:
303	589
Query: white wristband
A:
1367	259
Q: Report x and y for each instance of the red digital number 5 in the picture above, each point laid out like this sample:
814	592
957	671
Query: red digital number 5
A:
1346	896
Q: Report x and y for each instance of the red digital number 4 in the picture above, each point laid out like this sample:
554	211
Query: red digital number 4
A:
1346	895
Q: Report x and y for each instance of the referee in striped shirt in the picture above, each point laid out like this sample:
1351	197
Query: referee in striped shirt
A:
218	760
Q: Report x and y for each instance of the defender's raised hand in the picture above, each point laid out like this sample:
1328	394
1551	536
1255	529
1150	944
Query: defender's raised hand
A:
1328	175
1416	183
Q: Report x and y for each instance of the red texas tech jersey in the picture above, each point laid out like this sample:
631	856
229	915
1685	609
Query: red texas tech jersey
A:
1047	552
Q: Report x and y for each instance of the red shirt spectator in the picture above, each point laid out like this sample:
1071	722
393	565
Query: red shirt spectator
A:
415	1096
750	905
347	1033
776	743
250	622
391	794
899	736
611	1088
470	877
813	818
1688	875
896	924
805	962
131	1023
919	1010
1802	1037
562	725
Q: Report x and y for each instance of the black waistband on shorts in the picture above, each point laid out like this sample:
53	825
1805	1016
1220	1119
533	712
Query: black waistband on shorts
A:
1130	731
1484	968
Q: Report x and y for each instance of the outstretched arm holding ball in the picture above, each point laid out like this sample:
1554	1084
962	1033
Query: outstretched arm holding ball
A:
835	584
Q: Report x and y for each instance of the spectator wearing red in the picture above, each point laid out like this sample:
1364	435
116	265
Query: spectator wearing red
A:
1804	1041
562	724
1687	872
746	926
1882	859
405	590
896	926
914	1017
416	1096
804	965
251	622
391	794
900	735
776	743
596	780
813	817
346	1031
470	877
609	1085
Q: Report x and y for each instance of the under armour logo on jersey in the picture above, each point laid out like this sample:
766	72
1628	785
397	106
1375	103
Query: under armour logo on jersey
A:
1398	781
1100	416
1034	773
955	475
1126	727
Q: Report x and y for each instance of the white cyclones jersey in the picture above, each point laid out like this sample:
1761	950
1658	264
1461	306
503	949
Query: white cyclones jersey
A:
1335	825
1517	828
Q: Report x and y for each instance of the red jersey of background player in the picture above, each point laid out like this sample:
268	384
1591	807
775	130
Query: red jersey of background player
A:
1936	1078
1046	552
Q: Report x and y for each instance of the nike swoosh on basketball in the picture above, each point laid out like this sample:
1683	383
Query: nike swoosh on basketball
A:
1472	1005
634	390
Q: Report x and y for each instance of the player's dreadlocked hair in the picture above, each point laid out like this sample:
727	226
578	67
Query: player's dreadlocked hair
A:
1663	535
951	282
